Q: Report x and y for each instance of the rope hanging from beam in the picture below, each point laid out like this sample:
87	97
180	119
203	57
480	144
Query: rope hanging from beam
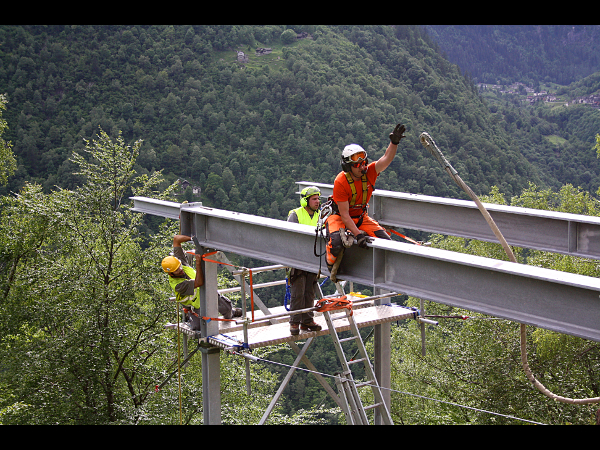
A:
430	145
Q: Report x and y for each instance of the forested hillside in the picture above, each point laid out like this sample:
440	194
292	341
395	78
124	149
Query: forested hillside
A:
502	54
83	295
245	132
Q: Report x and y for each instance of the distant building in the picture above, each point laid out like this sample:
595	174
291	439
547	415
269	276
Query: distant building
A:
196	190
263	51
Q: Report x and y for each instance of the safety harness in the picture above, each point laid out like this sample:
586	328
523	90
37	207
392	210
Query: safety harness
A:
365	188
330	207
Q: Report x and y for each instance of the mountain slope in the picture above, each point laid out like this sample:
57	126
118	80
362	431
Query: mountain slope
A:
501	54
245	132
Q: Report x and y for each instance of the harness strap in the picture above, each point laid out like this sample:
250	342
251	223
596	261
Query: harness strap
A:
208	319
365	188
204	257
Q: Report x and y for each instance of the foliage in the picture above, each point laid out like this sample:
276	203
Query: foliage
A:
82	294
476	362
9	163
83	309
92	307
500	54
201	112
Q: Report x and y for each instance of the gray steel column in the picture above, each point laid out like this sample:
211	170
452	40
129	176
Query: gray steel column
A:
383	359
211	357
211	385
193	224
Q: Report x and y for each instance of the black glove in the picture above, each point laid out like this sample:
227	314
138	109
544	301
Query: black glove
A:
397	134
363	239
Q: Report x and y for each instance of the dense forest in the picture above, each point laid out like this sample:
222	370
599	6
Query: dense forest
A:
244	131
501	54
165	104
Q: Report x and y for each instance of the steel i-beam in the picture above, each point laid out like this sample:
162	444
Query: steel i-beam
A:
559	301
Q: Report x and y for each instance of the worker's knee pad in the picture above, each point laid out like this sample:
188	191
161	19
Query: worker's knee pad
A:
381	234
336	243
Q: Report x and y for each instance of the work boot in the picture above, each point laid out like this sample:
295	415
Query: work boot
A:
294	329
310	326
237	312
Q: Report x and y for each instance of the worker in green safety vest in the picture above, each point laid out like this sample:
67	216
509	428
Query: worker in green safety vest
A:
303	283
186	281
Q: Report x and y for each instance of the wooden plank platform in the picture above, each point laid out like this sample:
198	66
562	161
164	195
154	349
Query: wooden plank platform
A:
264	334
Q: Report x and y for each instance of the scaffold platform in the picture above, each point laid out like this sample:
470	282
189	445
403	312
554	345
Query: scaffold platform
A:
262	334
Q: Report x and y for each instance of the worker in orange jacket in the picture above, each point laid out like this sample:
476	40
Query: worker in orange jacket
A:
352	191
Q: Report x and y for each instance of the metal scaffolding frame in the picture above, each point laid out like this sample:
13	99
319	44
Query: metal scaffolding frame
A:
563	302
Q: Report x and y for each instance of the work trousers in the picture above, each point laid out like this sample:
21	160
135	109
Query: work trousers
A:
333	225
302	295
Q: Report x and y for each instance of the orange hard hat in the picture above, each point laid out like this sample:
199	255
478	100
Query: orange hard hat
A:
170	264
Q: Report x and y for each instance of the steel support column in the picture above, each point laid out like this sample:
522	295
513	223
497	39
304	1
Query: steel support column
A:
211	357
382	360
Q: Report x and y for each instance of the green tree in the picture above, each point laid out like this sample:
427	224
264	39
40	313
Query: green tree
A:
93	300
288	36
597	146
83	308
8	164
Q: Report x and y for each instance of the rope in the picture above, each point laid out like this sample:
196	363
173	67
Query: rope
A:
288	294
158	387
405	237
332	304
540	386
428	142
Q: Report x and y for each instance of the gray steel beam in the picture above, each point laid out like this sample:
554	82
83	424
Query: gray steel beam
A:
156	207
570	234
559	301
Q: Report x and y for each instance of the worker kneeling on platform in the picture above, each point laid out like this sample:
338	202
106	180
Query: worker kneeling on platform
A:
303	283
186	281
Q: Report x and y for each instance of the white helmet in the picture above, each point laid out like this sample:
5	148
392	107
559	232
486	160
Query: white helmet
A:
353	149
351	154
